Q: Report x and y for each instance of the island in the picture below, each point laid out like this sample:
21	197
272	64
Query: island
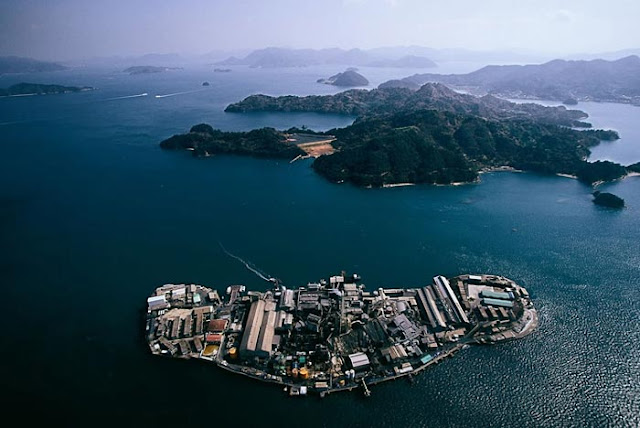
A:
432	136
222	70
430	96
16	64
148	69
205	83
346	78
608	200
22	89
335	334
565	81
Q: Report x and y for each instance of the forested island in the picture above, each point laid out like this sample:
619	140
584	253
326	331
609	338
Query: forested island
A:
404	137
565	81
608	200
431	96
40	89
346	78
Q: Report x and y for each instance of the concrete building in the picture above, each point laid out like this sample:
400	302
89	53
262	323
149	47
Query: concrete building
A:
264	345
359	361
444	282
252	329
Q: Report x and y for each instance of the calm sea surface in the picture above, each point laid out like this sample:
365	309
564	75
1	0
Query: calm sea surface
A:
94	216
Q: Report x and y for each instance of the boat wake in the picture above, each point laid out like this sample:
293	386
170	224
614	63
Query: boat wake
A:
248	265
128	96
179	93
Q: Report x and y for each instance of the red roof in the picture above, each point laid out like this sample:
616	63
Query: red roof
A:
217	325
213	338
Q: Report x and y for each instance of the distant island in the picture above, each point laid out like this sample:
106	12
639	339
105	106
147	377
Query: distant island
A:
16	64
440	137
407	61
608	200
40	89
347	78
148	69
222	70
565	81
283	57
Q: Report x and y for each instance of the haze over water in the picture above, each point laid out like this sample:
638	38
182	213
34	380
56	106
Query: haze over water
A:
95	216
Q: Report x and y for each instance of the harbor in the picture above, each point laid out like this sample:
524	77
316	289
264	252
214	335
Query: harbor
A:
335	335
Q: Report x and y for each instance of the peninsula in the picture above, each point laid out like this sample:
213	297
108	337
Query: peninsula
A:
432	136
22	89
335	335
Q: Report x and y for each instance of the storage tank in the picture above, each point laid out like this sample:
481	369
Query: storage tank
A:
401	307
233	353
304	373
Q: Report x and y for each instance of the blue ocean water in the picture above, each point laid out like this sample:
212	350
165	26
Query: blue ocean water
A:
94	216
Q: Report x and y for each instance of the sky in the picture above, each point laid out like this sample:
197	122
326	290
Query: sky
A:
73	29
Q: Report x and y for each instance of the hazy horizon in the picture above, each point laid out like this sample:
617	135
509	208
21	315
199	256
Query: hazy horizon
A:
72	29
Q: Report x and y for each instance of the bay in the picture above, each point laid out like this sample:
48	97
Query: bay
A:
95	216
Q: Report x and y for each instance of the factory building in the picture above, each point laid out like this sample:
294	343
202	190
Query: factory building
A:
157	302
497	302
359	361
259	331
252	329
497	295
265	338
444	283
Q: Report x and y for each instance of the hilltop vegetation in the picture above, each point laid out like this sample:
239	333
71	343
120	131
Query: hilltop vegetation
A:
441	147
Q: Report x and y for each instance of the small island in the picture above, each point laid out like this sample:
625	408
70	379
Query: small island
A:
22	89
335	334
608	200
148	69
347	78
